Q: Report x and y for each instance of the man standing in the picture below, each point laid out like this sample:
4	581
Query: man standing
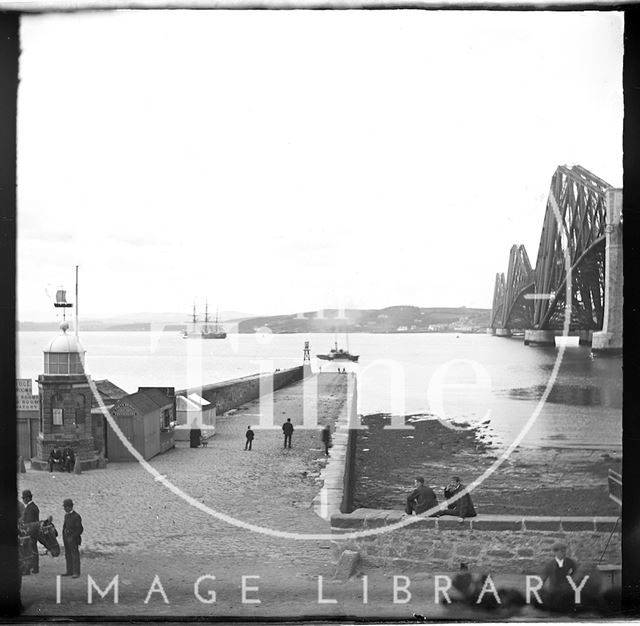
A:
72	538
557	593
326	438
421	499
250	435
31	519
287	428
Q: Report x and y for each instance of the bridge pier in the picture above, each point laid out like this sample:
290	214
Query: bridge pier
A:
586	337
503	332
540	337
609	340
491	331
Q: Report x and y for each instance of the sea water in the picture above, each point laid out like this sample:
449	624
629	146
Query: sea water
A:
477	379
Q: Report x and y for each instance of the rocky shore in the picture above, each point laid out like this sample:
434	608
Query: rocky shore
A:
532	481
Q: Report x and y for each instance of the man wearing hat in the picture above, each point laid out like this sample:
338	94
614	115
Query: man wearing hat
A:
557	591
31	516
72	538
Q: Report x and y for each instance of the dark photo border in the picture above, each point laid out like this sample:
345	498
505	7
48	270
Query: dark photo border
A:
9	78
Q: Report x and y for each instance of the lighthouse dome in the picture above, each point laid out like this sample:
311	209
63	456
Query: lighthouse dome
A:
64	354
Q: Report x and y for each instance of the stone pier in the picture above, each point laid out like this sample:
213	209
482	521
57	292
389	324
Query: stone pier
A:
491	331
609	340
540	337
503	332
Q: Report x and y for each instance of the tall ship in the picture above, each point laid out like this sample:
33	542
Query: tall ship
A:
338	354
194	325
216	331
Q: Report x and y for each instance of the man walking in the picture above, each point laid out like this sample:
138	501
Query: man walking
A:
421	499
287	428
72	538
31	519
250	435
326	439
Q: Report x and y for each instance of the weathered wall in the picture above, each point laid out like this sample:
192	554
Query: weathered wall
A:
349	477
501	543
234	393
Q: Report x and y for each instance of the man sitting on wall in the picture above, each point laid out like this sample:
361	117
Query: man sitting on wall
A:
463	506
68	460
55	459
421	499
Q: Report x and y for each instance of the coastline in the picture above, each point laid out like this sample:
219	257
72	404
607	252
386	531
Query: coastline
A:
531	481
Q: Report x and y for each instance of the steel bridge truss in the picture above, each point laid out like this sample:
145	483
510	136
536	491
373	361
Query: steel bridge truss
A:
573	229
573	233
511	308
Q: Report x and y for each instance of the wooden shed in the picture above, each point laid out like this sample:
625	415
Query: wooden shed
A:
147	419
193	411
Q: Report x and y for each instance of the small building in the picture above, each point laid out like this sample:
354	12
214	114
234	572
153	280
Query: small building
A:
147	419
65	394
109	394
193	411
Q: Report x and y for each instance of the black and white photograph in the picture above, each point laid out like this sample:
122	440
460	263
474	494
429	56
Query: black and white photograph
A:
319	314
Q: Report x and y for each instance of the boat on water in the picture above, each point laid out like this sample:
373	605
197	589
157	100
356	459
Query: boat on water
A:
212	332
338	354
208	330
194	325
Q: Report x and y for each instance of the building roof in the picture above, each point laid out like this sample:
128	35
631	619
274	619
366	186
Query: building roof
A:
192	402
194	397
109	393
64	343
147	401
186	404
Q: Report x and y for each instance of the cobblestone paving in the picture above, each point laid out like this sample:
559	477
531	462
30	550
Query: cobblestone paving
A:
126	512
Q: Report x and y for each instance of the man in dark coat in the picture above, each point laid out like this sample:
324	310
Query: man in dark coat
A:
421	499
31	516
287	429
55	459
72	538
250	435
557	593
463	506
326	439
68	460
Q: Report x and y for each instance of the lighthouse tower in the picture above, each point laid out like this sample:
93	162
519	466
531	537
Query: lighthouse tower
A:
65	403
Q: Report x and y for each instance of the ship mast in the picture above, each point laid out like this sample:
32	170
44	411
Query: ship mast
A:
206	316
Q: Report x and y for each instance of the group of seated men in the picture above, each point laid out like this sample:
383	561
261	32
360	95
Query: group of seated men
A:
63	460
423	498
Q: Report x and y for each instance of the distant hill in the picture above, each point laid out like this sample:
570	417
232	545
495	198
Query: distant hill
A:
142	321
394	319
388	320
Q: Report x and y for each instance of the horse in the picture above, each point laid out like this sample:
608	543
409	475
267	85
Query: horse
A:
45	533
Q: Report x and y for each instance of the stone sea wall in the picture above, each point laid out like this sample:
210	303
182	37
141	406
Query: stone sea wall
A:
497	543
234	393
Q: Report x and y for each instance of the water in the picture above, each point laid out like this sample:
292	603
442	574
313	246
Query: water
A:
500	380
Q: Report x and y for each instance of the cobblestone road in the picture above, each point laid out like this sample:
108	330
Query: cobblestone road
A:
126	512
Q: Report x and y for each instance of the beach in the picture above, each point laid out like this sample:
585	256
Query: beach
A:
530	481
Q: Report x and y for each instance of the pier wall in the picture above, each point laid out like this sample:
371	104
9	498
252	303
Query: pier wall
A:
231	394
497	543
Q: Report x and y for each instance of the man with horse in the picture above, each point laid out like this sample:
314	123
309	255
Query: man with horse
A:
32	531
31	519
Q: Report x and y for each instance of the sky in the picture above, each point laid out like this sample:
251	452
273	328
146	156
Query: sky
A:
284	161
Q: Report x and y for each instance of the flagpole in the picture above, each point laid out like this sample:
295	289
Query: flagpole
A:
76	301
